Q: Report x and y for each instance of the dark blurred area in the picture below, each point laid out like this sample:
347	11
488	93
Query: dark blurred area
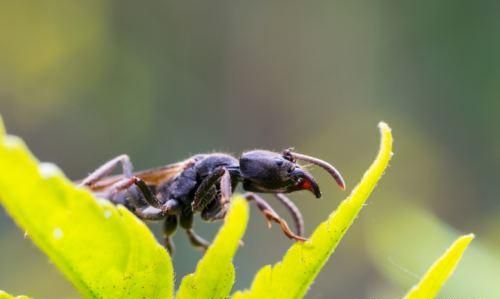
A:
84	81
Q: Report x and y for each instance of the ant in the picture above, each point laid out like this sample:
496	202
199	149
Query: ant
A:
204	184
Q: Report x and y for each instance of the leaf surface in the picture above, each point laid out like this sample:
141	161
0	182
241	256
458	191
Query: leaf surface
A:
104	250
440	271
214	276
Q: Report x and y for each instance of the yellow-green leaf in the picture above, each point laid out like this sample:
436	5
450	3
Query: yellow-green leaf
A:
440	271
404	226
292	277
104	250
214	276
4	295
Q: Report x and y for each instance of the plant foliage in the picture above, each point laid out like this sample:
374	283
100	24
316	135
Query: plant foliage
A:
440	271
106	252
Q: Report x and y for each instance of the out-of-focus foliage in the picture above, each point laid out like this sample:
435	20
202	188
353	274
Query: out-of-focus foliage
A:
292	277
393	243
104	250
39	55
4	295
214	276
436	276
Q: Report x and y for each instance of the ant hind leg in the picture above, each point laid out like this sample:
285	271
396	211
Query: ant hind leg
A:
143	188
155	210
107	168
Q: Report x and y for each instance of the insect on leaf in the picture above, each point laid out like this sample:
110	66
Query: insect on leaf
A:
292	277
4	295
104	250
214	276
440	271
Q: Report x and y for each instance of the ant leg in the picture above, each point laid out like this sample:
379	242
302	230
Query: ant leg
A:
271	215
296	214
225	194
126	183
169	227
206	191
218	209
149	213
186	222
155	211
107	168
197	241
149	196
170	208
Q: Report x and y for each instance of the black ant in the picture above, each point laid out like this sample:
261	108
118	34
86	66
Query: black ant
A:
204	183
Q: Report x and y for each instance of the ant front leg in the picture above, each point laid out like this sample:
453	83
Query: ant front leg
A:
271	215
207	192
107	168
294	210
225	194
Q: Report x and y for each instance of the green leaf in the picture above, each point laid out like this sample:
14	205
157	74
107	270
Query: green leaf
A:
214	276
436	276
104	250
405	226
292	277
4	295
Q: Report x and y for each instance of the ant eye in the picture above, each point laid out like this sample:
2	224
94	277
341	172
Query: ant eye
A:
279	163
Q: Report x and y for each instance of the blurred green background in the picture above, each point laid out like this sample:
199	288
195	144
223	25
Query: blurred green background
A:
84	81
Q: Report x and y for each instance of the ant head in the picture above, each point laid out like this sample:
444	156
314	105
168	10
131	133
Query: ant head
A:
265	171
269	172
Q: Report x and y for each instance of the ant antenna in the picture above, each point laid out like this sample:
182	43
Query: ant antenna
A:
323	164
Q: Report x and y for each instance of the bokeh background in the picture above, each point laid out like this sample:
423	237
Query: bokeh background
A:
83	81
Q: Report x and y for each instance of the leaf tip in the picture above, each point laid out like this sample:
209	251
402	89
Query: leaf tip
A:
470	237
463	241
387	140
441	270
385	130
384	126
